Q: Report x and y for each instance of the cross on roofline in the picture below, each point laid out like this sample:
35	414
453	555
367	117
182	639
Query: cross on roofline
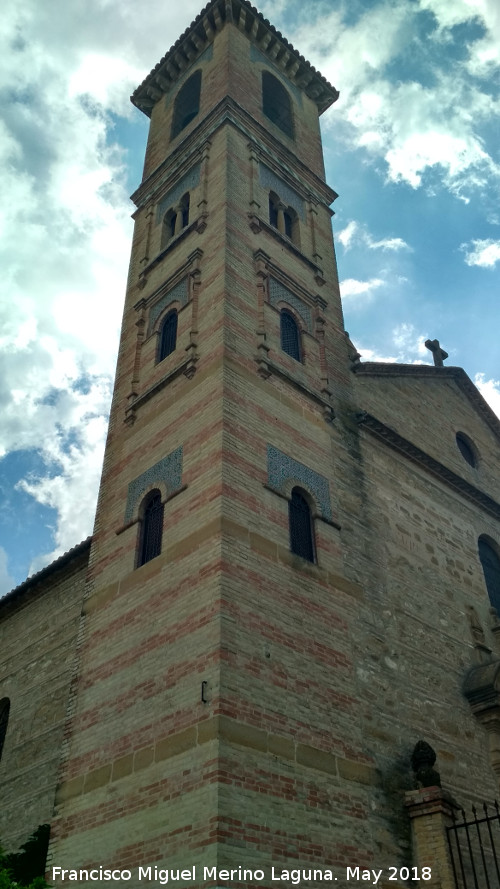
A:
438	353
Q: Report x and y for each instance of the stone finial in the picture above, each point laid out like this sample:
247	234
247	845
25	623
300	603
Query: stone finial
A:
438	353
422	762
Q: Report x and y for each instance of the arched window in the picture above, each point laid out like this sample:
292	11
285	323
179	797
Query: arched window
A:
283	218
4	719
168	335
300	524
175	219
290	335
151	528
466	448
168	228
187	104
276	103
490	562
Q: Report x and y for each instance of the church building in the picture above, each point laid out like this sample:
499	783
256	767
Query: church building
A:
295	566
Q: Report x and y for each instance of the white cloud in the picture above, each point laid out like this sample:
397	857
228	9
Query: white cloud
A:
347	235
356	234
490	390
409	348
353	288
368	354
409	343
483	253
416	127
484	53
389	244
6	581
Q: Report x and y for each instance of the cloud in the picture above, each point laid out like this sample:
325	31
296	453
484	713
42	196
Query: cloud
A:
484	51
355	234
490	390
483	253
423	122
409	343
6	581
351	288
347	235
409	347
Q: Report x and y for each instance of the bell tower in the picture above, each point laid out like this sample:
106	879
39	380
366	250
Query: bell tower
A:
213	647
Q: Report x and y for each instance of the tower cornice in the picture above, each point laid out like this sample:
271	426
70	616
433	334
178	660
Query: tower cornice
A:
201	33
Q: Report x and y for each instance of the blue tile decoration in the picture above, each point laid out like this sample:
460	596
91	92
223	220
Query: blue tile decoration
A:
171	199
168	470
179	293
279	293
269	180
281	468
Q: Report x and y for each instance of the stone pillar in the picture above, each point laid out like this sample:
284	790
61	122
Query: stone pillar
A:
431	812
178	220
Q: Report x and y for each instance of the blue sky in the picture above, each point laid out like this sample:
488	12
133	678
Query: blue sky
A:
412	147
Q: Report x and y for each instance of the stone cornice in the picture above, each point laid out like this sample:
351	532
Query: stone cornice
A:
392	438
464	382
201	33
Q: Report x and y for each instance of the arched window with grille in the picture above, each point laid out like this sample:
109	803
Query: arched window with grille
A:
490	562
290	335
301	526
168	335
187	104
151	528
4	720
276	103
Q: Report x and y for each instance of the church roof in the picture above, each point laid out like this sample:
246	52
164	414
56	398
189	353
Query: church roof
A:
46	572
458	374
201	33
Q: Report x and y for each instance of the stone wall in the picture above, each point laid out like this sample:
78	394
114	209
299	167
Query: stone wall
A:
39	625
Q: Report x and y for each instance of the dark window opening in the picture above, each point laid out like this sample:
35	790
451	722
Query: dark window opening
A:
300	523
290	335
490	562
187	104
466	449
168	228
283	218
175	220
168	336
276	103
4	719
184	209
152	528
273	211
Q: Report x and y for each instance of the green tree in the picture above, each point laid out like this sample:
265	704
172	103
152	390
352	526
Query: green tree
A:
26	868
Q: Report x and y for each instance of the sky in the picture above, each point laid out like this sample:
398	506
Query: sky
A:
412	147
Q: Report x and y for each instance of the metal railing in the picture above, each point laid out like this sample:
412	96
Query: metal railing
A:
474	846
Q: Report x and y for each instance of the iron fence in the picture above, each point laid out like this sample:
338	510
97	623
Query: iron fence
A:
474	846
